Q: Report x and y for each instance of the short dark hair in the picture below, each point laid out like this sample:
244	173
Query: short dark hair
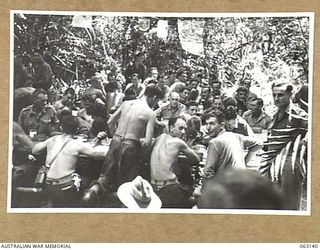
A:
70	124
70	91
229	101
218	115
242	89
153	90
288	86
88	97
259	101
173	120
257	192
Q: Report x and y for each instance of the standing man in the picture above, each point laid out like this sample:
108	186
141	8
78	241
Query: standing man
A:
227	149
287	115
137	66
136	120
42	72
164	159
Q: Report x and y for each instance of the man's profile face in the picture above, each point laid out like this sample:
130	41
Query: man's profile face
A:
213	127
281	97
41	101
174	99
179	128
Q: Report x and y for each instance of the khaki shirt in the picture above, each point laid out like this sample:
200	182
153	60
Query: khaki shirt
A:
44	123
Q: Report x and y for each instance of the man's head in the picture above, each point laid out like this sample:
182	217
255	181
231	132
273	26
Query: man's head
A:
229	101
205	91
240	189
37	59
194	83
95	82
192	108
88	101
39	99
216	87
153	94
154	73
255	105
177	127
184	93
70	124
217	103
135	78
242	93
181	75
230	113
282	93
174	99
139	58
208	103
215	123
68	96
297	71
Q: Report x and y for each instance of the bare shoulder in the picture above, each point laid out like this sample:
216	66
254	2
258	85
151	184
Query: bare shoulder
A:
179	143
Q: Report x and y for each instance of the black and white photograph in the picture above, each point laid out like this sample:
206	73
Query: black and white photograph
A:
117	112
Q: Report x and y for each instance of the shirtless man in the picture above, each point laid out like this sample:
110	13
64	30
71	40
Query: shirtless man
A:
63	150
135	120
163	160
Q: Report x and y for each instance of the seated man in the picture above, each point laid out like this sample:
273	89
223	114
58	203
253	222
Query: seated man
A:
164	158
227	149
62	183
173	109
67	99
39	116
255	116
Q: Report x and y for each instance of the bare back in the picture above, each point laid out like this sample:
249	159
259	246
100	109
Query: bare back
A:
66	161
163	157
134	118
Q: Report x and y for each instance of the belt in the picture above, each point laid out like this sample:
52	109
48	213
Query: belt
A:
59	181
122	138
161	183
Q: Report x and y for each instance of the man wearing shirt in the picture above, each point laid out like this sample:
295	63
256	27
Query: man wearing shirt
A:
227	149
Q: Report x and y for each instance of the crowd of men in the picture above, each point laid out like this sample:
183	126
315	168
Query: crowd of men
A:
165	130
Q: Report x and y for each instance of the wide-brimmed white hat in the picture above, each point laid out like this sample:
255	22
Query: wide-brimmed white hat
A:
138	194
